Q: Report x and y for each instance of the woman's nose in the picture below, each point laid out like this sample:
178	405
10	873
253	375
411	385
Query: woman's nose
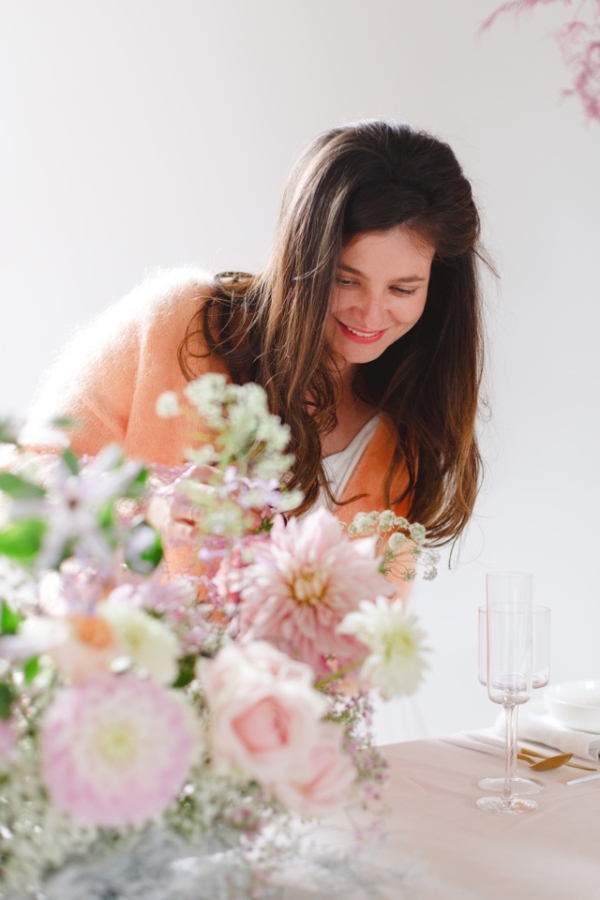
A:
370	311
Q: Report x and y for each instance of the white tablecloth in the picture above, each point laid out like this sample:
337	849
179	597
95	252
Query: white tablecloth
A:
550	854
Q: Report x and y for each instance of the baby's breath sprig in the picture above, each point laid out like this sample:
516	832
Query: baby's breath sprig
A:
241	436
399	543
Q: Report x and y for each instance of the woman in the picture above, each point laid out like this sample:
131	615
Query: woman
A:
364	330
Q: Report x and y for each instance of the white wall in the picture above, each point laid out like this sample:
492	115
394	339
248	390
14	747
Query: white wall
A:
139	133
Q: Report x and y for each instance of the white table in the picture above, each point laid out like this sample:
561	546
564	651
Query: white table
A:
550	854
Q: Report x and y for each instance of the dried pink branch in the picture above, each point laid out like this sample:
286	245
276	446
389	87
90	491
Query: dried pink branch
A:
517	6
579	44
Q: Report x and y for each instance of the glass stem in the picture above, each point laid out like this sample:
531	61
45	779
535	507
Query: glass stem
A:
514	744
511	750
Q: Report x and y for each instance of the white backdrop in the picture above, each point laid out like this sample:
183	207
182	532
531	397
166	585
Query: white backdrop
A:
144	133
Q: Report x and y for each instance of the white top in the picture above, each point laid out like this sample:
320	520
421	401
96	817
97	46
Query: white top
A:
339	466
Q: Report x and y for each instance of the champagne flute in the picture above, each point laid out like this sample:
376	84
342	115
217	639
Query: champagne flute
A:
539	678
508	640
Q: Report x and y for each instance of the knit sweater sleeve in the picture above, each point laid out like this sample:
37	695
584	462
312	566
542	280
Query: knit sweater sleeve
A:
109	377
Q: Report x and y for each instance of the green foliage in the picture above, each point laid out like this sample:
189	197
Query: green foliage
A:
70	460
187	672
8	431
143	548
137	486
31	668
10	619
65	422
22	540
18	488
8	695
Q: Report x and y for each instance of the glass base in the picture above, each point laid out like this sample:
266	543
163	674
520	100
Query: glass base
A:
507	804
518	785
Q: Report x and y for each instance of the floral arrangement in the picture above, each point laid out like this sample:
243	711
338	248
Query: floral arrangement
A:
217	700
579	43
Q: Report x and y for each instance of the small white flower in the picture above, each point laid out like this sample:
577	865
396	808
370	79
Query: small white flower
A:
167	405
207	395
202	456
361	525
146	641
396	663
255	399
397	541
289	500
386	521
417	533
401	522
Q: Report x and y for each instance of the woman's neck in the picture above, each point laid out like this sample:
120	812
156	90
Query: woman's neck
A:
352	415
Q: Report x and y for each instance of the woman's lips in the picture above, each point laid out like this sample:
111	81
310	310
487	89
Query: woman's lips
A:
360	337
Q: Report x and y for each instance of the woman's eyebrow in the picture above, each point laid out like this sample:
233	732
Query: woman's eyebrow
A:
403	278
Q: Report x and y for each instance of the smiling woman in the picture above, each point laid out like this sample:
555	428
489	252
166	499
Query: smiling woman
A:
379	294
364	330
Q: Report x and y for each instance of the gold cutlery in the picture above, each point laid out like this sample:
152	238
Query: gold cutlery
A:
547	762
528	752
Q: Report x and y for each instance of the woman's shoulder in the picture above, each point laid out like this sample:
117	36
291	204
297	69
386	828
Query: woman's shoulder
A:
164	296
159	307
144	327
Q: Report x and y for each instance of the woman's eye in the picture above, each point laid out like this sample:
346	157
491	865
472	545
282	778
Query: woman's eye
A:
403	292
344	282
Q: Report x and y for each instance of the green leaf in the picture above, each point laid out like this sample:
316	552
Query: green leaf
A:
8	695
19	488
8	432
70	460
264	527
31	668
187	672
10	619
143	548
106	516
65	422
22	540
137	486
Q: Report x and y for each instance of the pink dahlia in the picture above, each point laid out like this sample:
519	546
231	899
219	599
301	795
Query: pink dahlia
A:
116	749
308	577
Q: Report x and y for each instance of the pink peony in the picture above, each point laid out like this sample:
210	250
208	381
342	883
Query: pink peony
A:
307	579
265	714
330	779
115	750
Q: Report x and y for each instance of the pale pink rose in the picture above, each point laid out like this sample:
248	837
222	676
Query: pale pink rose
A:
116	750
308	577
237	663
331	775
8	741
265	714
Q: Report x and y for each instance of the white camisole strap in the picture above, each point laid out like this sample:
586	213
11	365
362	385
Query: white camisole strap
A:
339	466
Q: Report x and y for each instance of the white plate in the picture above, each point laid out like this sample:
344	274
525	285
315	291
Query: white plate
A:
575	704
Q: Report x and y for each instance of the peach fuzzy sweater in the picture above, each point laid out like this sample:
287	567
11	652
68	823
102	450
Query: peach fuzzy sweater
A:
111	374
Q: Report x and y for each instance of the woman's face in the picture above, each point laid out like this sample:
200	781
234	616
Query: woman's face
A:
379	292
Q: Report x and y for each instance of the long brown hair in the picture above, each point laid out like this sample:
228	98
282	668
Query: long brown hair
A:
270	328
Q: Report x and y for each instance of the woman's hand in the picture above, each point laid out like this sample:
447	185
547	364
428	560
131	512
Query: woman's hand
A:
171	511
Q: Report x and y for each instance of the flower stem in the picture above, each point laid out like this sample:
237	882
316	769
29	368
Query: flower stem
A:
340	673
